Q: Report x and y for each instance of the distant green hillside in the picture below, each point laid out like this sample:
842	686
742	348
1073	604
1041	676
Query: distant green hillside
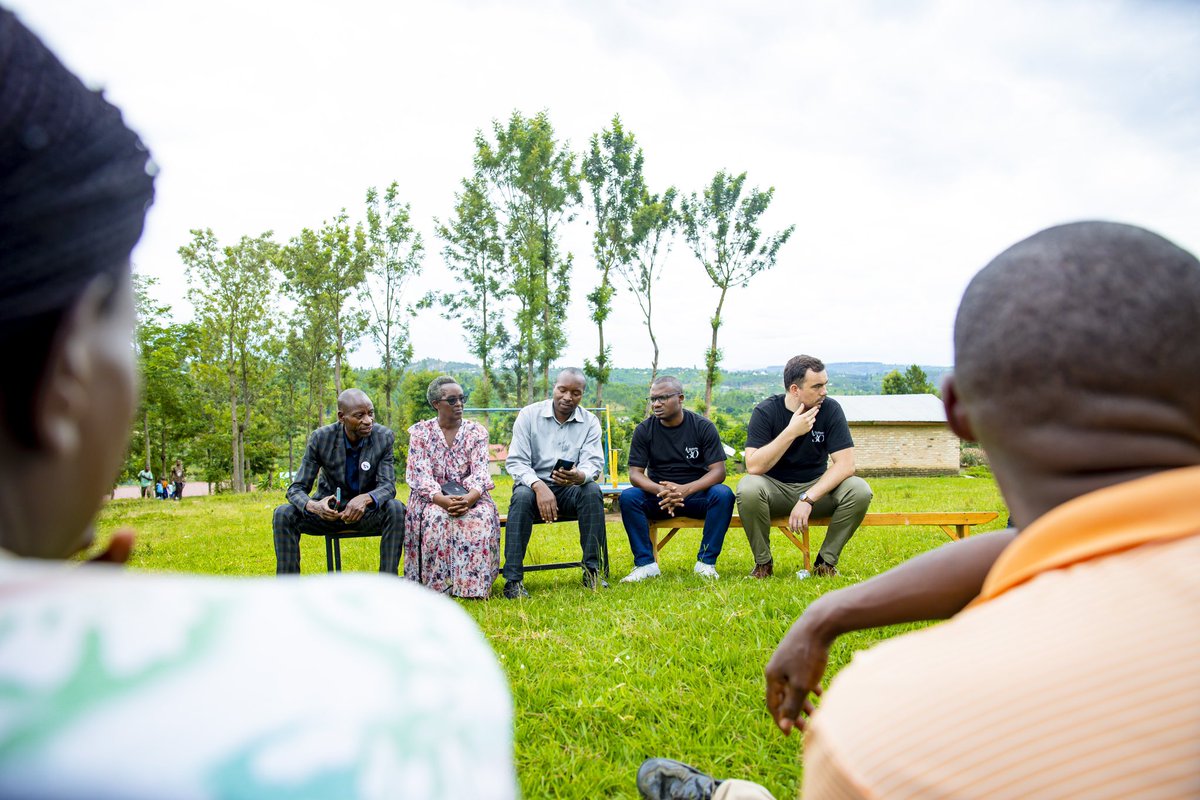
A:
736	394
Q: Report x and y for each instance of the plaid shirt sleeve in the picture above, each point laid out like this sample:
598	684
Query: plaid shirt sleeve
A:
302	483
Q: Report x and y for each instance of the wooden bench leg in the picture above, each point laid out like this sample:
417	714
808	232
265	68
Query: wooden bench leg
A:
660	545
801	544
956	532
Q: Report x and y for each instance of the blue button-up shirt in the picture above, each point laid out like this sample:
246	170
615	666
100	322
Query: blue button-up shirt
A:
539	440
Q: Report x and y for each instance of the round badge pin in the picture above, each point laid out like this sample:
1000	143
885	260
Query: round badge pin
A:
364	466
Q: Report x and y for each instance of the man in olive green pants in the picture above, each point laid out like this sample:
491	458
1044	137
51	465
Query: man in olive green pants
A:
790	439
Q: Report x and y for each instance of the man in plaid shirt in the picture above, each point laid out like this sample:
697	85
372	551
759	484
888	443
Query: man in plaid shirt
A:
356	491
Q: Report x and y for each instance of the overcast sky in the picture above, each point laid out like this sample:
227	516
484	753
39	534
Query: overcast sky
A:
909	142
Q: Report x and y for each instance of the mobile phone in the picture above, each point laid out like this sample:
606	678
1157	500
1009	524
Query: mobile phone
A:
562	463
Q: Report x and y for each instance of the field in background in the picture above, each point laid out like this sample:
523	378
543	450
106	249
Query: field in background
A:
602	680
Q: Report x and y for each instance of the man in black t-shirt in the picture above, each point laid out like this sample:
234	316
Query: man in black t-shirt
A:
790	440
676	465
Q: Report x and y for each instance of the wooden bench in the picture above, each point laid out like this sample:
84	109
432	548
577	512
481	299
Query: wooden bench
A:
608	520
957	525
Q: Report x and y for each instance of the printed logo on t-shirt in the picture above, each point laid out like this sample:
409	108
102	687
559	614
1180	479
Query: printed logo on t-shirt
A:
692	452
818	436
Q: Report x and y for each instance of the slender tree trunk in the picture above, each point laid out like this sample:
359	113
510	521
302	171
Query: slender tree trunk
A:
146	431
601	359
337	362
545	307
713	357
653	365
233	417
600	364
387	375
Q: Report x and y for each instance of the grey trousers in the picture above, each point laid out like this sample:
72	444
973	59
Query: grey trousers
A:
760	497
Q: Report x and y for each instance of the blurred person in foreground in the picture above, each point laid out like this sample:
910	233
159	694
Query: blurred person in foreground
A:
128	685
1072	673
452	534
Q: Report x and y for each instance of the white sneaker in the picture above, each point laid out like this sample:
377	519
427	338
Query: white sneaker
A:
650	570
706	570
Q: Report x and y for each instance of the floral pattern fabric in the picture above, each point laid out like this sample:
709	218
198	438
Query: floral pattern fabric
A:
455	555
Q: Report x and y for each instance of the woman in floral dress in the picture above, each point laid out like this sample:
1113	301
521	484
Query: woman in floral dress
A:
452	528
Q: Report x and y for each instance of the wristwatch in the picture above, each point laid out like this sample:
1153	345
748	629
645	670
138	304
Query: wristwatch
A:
805	498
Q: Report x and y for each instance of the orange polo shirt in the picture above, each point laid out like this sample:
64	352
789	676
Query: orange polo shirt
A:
1075	674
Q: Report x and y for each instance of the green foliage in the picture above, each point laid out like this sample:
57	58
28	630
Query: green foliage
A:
912	381
601	680
723	230
231	289
324	270
653	225
413	406
394	253
613	170
536	187
475	255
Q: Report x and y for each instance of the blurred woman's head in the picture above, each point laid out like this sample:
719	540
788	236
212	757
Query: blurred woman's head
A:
75	184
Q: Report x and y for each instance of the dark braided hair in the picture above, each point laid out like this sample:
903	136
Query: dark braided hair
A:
75	184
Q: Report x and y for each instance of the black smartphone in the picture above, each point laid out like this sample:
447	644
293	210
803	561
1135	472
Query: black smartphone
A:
562	463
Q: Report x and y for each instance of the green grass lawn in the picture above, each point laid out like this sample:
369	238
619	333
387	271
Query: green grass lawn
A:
601	680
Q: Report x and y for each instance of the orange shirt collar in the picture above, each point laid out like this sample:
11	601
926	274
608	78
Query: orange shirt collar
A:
1158	508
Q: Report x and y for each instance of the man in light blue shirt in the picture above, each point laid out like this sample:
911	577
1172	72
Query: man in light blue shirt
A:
554	460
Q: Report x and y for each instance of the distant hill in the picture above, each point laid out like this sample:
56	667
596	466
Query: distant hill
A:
736	394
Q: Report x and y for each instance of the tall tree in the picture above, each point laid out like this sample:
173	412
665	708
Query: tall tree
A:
232	290
474	253
722	229
912	381
324	270
150	316
168	416
394	253
312	342
537	188
653	225
613	171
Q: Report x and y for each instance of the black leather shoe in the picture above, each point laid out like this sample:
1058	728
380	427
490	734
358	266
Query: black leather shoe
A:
592	577
514	590
664	779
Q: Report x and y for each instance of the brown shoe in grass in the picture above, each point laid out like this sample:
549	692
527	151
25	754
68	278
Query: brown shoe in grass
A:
763	570
825	571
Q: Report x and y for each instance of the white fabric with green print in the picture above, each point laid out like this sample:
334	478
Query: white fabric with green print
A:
119	684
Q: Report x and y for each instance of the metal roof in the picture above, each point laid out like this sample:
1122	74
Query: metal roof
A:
892	408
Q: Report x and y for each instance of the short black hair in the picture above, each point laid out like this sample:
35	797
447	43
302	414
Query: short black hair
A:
670	380
1077	320
797	367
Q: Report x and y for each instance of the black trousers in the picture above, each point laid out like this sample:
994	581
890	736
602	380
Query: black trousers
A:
583	502
387	520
